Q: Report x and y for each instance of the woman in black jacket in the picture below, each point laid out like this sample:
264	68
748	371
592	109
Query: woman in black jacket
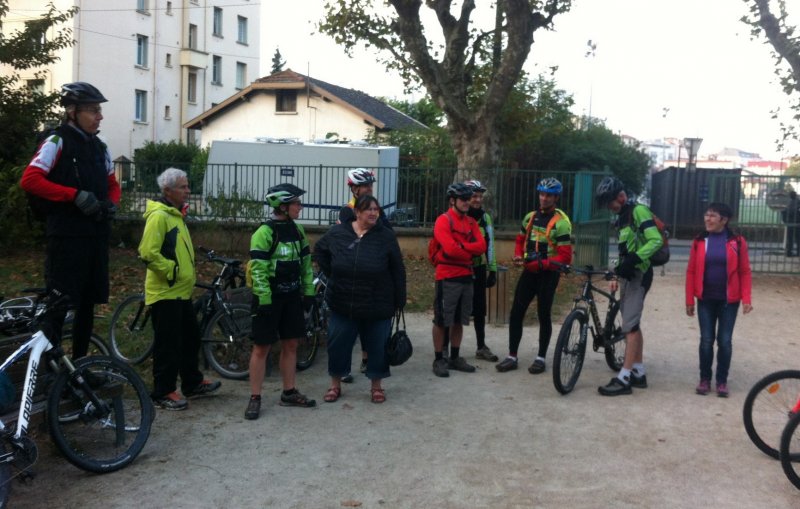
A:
366	285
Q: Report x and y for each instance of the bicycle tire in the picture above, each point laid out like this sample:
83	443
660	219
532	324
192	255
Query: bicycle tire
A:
615	351
227	344
96	345
790	450
96	441
5	478
131	332
767	407
570	351
308	345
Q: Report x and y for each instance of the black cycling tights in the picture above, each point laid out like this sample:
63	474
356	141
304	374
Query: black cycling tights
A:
542	286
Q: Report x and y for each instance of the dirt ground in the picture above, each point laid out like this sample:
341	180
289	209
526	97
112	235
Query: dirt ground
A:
486	439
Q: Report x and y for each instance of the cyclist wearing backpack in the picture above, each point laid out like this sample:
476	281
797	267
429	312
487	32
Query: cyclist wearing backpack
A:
639	239
545	237
280	274
458	240
72	176
484	267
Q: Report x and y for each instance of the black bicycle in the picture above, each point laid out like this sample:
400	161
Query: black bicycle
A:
571	343
316	325
223	314
17	316
99	412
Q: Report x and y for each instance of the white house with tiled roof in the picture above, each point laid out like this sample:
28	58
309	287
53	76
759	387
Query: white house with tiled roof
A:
290	105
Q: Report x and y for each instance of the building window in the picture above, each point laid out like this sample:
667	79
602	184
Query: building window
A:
141	5
217	22
191	92
286	101
36	86
241	75
192	36
241	34
169	8
141	106
168	61
37	36
216	70
141	50
167	113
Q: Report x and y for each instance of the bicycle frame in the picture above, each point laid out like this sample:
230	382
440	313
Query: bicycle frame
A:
586	301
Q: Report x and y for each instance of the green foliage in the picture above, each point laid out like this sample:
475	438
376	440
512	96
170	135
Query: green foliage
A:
153	158
423	111
23	112
277	61
236	205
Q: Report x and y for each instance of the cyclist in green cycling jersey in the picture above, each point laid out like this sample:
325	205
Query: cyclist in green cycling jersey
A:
280	274
639	239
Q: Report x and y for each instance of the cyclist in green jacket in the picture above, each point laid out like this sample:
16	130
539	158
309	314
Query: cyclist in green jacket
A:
639	239
280	274
166	248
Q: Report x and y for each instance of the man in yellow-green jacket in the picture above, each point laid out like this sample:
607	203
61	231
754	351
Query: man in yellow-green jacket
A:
166	248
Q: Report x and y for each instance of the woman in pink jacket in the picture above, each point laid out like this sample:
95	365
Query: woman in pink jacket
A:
718	276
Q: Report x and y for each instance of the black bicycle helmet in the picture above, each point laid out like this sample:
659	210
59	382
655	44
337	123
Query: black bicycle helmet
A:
459	190
282	193
607	190
476	186
80	92
550	185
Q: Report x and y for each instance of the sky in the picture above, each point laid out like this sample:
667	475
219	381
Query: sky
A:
661	68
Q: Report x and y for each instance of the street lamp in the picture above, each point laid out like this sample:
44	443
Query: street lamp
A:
692	147
590	52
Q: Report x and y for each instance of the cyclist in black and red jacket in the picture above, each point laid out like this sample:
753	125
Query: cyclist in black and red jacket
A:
72	175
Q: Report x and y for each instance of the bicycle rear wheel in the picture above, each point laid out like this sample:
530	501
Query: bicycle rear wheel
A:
307	345
616	343
790	450
131	332
96	345
570	351
105	438
767	409
227	344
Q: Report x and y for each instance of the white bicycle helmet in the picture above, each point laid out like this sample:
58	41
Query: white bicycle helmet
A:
359	177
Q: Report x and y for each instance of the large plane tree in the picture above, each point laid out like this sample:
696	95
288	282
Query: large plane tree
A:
446	63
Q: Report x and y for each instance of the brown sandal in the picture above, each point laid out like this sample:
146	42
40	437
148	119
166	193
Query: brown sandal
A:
378	395
333	394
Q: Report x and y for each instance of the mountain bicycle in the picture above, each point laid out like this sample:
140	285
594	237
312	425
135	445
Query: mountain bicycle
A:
768	408
571	343
316	324
224	325
99	412
17	315
790	448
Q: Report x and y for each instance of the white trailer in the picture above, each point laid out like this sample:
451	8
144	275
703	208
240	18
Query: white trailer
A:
245	169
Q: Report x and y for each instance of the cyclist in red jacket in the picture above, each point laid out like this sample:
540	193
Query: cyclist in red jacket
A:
460	240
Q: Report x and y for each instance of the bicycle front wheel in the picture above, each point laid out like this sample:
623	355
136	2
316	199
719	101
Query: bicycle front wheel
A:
131	332
790	450
570	351
615	341
104	428
307	345
226	342
767	409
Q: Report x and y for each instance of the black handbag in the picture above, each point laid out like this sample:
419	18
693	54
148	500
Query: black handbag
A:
398	348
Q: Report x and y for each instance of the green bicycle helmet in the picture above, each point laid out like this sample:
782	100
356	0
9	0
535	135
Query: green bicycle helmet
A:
282	193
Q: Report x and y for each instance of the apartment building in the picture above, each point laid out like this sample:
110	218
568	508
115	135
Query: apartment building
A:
160	63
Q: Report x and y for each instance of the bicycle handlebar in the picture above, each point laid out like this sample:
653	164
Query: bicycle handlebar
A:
587	270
